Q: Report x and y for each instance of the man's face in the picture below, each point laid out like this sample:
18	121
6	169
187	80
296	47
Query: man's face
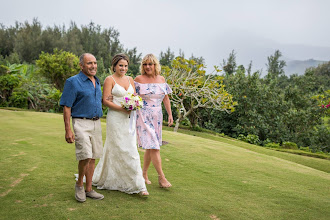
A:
89	67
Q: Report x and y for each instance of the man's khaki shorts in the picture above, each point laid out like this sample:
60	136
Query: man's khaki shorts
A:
88	138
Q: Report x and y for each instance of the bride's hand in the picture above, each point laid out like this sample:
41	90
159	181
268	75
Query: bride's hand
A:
127	111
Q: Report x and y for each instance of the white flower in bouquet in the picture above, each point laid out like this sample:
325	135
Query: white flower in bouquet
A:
132	102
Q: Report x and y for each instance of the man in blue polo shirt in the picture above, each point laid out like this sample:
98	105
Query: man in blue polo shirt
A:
82	100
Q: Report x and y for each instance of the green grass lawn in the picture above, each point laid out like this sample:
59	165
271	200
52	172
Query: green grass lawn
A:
212	178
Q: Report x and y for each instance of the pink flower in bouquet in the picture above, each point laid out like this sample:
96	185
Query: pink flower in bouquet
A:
132	102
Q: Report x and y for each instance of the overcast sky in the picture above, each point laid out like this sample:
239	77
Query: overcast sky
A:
208	28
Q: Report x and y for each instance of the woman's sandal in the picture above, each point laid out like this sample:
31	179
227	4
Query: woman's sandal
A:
166	185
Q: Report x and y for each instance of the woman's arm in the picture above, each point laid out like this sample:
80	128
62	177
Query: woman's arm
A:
167	105
107	101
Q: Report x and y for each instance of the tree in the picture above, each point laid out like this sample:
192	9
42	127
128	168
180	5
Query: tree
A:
57	67
71	40
27	42
320	75
193	89
229	66
166	58
134	61
7	39
323	101
275	66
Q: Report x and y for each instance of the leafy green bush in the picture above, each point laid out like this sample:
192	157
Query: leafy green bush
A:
250	138
3	70
196	128
305	149
289	145
320	139
19	99
211	126
264	142
253	139
57	67
7	84
241	137
273	145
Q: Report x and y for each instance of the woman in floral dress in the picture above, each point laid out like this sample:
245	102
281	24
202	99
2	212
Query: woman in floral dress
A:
154	90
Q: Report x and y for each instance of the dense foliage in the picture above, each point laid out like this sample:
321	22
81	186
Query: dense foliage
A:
27	41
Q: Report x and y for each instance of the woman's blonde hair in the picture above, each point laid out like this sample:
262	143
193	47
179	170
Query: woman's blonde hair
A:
117	58
150	58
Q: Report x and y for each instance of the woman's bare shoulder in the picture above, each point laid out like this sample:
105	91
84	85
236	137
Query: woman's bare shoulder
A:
108	80
139	79
161	79
131	79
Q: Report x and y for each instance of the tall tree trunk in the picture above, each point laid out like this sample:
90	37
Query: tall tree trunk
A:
177	123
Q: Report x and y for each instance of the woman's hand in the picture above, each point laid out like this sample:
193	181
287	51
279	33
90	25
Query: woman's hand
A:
126	111
170	120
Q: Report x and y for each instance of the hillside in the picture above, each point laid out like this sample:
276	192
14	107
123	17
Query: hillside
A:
299	66
212	179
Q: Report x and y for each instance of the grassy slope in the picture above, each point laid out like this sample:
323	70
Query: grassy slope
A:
212	179
316	163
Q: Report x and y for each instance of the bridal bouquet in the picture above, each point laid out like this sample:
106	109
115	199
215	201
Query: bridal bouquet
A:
132	102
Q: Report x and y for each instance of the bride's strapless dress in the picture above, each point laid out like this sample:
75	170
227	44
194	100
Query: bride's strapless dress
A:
120	167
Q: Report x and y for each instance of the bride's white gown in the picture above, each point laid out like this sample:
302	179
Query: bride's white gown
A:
120	167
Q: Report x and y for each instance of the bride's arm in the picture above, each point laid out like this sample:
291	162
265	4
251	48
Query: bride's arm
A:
106	98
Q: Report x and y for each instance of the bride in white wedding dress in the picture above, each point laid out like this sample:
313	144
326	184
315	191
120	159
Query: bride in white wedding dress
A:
120	167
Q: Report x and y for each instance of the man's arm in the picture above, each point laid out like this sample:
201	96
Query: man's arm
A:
69	136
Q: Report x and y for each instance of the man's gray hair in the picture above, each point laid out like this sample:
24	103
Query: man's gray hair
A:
81	58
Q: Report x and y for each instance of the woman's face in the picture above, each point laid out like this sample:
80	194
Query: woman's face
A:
149	67
121	67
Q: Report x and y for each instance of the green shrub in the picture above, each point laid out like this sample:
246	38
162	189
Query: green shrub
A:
305	149
289	145
7	84
3	70
273	145
19	99
196	128
250	138
57	67
241	137
253	139
264	142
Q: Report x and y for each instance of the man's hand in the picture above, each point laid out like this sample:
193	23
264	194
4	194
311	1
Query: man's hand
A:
69	136
110	98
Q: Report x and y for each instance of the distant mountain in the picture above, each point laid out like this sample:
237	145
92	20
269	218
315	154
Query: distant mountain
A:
299	66
252	47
